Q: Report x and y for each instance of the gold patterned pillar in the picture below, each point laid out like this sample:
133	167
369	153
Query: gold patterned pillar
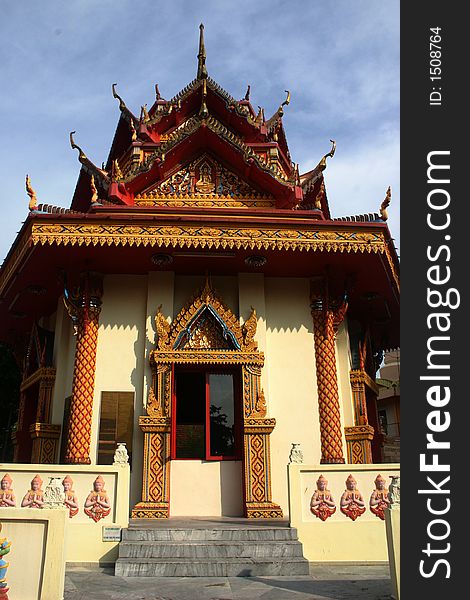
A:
256	451
359	437
84	307
156	426
326	317
44	435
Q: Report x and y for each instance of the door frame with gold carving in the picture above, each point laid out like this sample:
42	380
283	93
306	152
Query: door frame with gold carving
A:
175	347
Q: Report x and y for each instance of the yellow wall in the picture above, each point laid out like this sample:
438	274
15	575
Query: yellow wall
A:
338	538
290	361
84	541
120	358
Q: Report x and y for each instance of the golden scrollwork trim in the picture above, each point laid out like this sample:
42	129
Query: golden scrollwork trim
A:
358	376
267	238
44	430
359	432
43	374
218	357
251	425
155	424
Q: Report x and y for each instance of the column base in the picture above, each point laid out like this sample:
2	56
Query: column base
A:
151	510
45	437
332	461
359	444
263	510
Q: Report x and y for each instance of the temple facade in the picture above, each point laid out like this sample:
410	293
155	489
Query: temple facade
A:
199	303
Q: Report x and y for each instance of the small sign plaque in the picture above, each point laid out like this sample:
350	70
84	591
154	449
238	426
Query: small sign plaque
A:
111	534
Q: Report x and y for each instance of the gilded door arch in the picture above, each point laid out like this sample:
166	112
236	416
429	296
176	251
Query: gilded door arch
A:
206	331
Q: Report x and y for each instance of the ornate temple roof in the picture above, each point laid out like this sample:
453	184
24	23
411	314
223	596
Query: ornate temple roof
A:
190	181
246	155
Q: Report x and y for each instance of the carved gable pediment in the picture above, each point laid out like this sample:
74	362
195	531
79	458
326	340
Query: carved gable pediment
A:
204	182
206	323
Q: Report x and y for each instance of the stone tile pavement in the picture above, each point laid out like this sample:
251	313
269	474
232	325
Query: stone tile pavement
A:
326	582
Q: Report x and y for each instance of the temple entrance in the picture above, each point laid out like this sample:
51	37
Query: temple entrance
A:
206	442
206	417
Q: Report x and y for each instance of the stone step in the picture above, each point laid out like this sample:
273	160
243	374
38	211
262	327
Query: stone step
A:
210	535
229	567
212	549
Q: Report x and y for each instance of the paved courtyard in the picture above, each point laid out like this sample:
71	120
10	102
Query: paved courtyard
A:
326	582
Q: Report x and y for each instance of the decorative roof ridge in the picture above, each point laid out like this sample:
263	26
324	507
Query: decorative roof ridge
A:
191	125
366	217
51	209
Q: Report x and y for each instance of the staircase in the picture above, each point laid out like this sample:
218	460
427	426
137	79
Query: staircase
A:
210	549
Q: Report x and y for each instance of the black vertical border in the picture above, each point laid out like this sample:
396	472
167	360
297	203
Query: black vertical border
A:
424	129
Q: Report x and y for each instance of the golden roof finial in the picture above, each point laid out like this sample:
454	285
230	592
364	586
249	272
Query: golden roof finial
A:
33	203
385	203
260	116
331	153
117	171
201	57
94	191
133	131
157	92
287	100
144	116
247	95
122	104
81	155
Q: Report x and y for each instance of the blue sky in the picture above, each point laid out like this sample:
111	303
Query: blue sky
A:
339	59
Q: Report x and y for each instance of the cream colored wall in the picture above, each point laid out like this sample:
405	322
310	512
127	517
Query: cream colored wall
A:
84	543
200	488
290	359
27	538
187	285
121	350
37	565
338	538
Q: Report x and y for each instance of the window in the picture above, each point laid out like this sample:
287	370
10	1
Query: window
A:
116	424
206	415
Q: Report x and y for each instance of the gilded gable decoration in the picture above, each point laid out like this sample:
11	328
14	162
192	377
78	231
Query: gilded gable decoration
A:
204	182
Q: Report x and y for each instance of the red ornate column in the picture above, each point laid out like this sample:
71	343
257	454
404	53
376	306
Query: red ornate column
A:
326	318
84	307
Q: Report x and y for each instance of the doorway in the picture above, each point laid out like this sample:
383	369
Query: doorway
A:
206	444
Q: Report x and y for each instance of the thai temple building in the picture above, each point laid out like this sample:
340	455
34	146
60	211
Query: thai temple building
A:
199	303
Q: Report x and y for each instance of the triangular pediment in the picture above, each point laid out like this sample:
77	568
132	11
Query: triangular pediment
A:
204	182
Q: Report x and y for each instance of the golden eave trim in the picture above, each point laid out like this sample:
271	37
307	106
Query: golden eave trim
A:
42	374
216	237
